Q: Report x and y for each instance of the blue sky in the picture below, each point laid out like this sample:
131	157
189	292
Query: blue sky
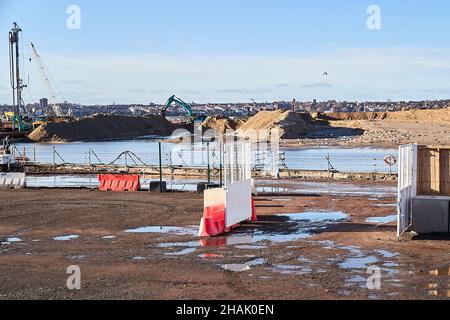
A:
139	51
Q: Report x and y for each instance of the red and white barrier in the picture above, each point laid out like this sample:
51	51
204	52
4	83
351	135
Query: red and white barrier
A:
225	209
119	182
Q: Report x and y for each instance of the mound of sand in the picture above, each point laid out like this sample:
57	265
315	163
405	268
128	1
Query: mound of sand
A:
101	127
222	124
435	115
291	125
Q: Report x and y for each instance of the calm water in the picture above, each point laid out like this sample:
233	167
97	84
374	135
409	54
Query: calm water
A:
146	152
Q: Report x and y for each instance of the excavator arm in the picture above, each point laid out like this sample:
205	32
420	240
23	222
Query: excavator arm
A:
181	103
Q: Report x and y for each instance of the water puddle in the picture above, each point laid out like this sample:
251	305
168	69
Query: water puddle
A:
291	269
358	262
178	244
249	247
79	257
321	216
241	267
385	205
191	231
138	258
382	220
66	238
182	252
11	240
108	237
386	254
376	192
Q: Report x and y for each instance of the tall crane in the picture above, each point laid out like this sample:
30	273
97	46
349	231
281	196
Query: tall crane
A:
14	74
46	80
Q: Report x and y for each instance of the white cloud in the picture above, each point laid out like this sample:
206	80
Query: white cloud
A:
353	74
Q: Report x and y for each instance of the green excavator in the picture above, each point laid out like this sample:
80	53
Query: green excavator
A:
175	100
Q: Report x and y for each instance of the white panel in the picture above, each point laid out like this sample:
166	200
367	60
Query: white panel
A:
12	180
238	203
237	162
407	186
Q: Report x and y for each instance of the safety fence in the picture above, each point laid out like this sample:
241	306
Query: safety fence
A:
210	155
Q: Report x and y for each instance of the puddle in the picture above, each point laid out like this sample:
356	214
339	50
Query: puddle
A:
385	205
66	238
192	231
13	240
358	262
182	252
178	244
292	269
241	267
317	216
249	247
210	256
79	257
298	226
386	254
139	258
382	220
108	237
282	200
374	191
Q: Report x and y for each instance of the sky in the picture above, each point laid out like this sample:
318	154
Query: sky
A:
139	51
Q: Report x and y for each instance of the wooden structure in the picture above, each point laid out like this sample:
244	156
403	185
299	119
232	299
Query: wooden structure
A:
433	171
424	189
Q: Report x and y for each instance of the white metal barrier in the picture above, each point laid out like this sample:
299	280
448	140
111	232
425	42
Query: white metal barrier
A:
237	162
407	188
238	202
12	180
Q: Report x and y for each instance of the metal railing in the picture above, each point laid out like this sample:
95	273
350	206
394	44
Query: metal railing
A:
198	157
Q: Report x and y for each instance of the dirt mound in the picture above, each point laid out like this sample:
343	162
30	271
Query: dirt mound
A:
101	127
222	124
435	115
292	125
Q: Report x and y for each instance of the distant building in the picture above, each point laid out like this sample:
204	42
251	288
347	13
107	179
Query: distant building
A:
43	103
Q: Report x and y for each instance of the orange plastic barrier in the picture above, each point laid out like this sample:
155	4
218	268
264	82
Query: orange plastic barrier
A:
213	221
119	183
254	216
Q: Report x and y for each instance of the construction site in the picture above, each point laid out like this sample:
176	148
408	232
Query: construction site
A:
276	205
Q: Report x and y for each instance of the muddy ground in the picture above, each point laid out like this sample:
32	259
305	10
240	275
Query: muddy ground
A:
280	257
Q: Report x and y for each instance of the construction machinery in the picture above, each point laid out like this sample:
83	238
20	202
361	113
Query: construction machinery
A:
48	82
174	100
7	160
16	82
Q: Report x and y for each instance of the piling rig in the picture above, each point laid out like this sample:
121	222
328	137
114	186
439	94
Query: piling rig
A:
16	82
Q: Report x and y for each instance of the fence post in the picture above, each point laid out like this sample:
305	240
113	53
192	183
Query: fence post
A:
54	156
220	164
160	167
89	157
34	154
209	165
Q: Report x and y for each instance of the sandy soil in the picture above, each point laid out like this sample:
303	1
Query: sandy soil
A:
167	266
376	133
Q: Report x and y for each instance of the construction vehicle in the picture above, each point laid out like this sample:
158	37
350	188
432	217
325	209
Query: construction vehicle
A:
175	100
49	83
15	79
15	121
7	160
